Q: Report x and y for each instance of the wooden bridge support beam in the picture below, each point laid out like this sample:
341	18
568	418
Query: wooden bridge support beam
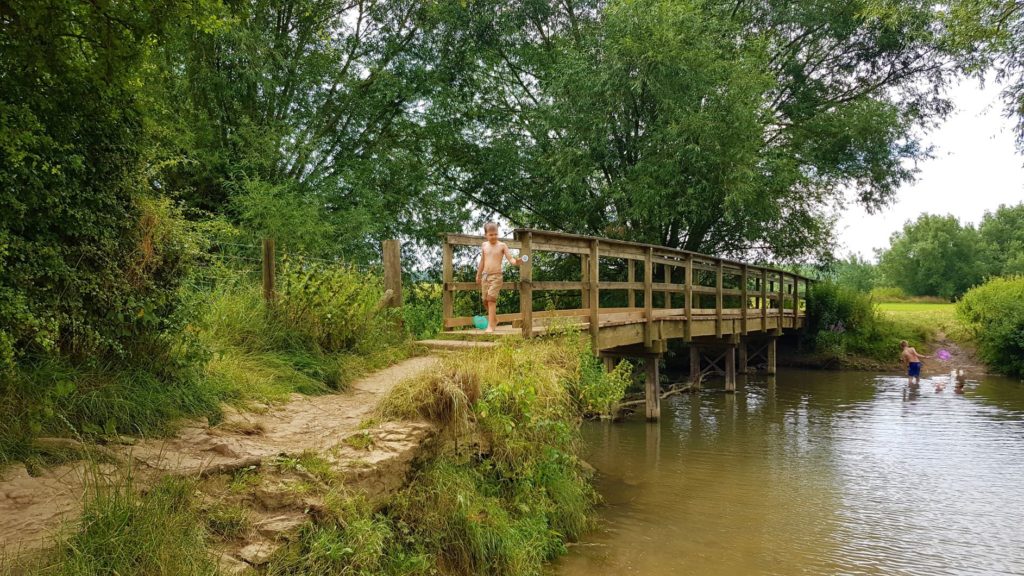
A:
730	368
652	389
694	366
771	355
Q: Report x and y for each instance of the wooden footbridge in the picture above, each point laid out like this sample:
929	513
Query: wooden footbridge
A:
632	299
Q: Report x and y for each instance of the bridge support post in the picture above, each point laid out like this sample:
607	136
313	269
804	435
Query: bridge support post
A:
694	366
652	389
742	364
609	363
771	355
730	368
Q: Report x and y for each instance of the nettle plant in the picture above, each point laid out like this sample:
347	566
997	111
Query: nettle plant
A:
331	306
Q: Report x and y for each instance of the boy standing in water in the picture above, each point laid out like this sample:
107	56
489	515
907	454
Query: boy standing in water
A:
488	274
912	359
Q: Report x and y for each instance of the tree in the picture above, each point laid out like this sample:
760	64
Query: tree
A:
934	256
1002	234
856	273
726	128
82	271
301	119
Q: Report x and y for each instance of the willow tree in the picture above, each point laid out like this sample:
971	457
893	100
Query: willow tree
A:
721	127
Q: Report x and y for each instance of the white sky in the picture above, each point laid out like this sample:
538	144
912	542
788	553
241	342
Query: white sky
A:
975	168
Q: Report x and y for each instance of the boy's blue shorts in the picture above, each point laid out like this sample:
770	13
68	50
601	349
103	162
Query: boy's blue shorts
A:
914	369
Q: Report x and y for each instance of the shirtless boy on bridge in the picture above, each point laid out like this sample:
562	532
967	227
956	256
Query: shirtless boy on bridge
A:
912	359
488	274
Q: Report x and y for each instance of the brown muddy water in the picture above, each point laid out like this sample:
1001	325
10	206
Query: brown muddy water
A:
812	473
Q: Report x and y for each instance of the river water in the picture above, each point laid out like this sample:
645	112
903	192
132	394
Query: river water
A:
812	473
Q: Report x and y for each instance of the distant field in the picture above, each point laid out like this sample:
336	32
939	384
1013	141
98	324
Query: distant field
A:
932	317
917	307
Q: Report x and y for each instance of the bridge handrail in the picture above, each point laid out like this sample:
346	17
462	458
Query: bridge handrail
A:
772	285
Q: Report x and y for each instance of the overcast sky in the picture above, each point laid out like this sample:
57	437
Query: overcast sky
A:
975	168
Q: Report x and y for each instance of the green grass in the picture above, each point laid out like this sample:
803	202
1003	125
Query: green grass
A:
125	532
917	307
926	318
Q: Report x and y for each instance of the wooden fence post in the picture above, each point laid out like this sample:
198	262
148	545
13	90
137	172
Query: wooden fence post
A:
526	284
447	277
268	270
595	296
392	251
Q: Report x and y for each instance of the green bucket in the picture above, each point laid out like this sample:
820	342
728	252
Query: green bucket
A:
480	322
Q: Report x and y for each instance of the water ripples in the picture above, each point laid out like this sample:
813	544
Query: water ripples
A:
816	473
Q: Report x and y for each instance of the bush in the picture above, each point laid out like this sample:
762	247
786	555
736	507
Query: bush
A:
843	322
421	311
994	313
331	307
888	294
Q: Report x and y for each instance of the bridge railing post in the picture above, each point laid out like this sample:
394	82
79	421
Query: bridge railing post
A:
595	295
631	277
796	300
718	300
688	299
746	299
782	300
764	299
649	297
526	283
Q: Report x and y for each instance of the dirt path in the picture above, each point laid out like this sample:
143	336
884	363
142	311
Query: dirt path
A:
33	507
960	356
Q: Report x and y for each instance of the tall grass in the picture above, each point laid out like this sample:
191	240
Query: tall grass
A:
125	532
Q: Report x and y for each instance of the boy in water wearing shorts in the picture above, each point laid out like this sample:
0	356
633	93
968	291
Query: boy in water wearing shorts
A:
488	274
912	359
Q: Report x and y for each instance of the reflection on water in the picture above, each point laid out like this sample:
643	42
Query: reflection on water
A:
813	473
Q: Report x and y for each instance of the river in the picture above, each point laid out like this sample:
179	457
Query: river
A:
814	473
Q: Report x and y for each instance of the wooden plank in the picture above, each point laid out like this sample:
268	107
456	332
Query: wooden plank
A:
595	294
558	285
526	284
470	286
718	301
447	275
615	285
477	241
648	297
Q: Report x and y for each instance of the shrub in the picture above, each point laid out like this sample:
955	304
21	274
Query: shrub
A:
331	307
888	294
842	322
421	311
994	313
